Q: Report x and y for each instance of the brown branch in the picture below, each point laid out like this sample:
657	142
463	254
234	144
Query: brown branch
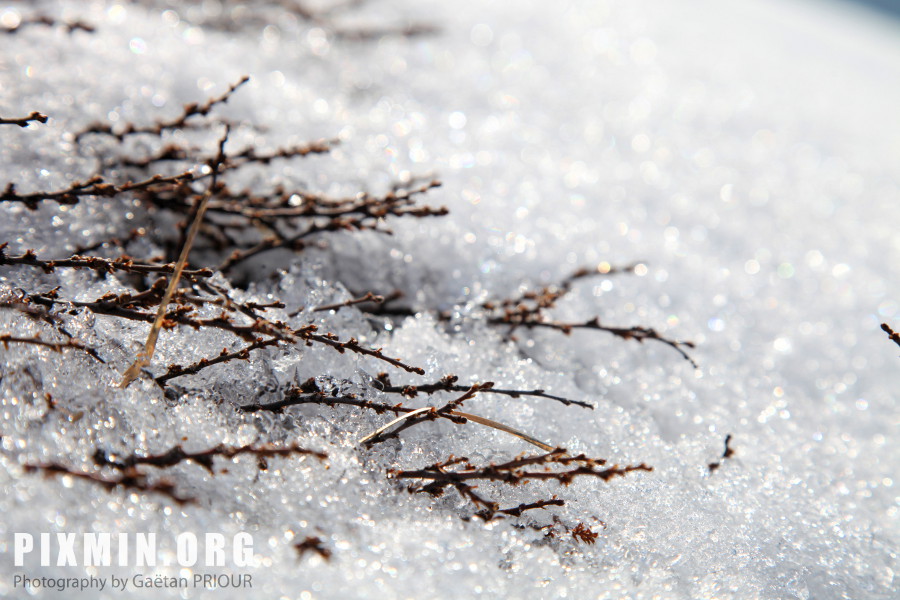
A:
363	212
34	117
130	479
103	265
6	338
225	356
44	20
353	345
180	315
313	544
95	186
190	110
309	392
514	472
639	334
893	335
489	515
204	458
369	297
448	384
728	453
144	357
448	411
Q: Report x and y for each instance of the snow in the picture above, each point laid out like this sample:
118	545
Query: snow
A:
743	153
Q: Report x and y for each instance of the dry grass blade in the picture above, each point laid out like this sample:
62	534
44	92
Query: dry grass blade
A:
144	357
506	428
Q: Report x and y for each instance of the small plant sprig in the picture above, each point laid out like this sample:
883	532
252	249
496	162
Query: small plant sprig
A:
124	264
175	370
449	384
180	122
131	476
528	311
129	479
93	187
204	458
34	117
7	338
458	472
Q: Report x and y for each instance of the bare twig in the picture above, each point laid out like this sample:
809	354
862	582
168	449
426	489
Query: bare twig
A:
102	265
46	21
203	458
225	356
7	338
129	479
893	335
34	117
639	334
515	471
190	110
369	297
143	358
95	186
727	453
448	384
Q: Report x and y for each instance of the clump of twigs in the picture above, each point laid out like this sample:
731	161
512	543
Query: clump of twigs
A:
557	465
232	226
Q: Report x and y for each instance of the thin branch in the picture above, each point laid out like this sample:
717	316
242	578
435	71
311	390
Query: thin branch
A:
448	411
448	384
7	338
203	458
893	335
129	479
515	472
190	110
517	511
369	297
95	186
639	334
310	393
46	21
34	117
143	359
225	356
103	265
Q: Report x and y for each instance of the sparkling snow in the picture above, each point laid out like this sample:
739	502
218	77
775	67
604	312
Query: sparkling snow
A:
743	153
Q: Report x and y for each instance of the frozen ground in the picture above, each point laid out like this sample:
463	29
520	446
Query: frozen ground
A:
745	153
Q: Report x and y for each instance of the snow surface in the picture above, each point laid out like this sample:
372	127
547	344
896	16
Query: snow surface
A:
744	152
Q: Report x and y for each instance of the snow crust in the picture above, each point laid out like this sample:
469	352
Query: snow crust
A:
743	152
